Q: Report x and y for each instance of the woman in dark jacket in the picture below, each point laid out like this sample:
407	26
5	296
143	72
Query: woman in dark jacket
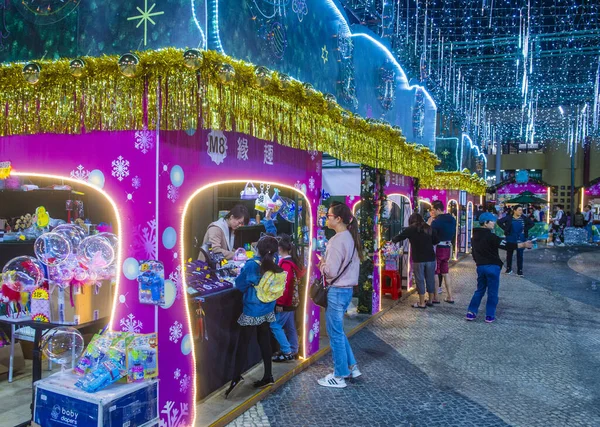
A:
422	239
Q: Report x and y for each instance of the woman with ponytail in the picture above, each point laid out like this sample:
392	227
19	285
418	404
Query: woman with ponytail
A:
256	314
340	266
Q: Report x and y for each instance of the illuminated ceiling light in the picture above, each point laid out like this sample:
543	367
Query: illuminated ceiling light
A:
562	112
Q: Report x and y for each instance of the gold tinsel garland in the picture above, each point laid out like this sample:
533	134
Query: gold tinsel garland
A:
464	180
276	108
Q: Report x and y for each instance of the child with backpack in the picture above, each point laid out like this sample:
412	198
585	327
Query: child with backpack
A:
284	326
262	282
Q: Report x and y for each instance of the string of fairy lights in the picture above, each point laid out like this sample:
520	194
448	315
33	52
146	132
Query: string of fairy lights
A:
500	69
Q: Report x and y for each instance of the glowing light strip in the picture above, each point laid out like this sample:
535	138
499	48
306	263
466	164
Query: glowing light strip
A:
549	206
473	145
455	255
408	271
582	198
119	260
183	259
469	226
202	37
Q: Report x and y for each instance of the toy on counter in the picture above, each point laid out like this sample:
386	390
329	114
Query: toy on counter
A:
142	358
40	305
42	218
321	216
203	280
151	281
95	351
321	241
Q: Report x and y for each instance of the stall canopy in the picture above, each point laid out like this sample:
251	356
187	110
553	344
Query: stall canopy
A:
524	198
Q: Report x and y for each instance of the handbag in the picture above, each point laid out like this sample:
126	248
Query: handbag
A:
319	288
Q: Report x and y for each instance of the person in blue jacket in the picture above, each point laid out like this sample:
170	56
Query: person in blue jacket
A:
516	229
256	315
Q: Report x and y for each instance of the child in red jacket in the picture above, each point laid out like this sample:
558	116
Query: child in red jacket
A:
284	327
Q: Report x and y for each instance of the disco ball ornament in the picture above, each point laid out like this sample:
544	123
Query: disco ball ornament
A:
128	64
192	58
309	89
77	67
52	249
31	72
73	233
226	73
331	101
95	252
263	75
286	80
62	345
23	274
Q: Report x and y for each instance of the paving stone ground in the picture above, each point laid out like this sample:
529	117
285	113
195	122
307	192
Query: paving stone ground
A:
538	365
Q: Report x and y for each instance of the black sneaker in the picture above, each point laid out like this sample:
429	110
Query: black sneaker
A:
520	274
234	384
282	357
264	382
508	271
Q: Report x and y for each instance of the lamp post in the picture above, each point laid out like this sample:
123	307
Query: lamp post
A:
572	154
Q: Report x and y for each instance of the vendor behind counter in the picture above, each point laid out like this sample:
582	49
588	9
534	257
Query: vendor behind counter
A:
221	233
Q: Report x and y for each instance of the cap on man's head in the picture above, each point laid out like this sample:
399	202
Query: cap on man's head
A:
487	216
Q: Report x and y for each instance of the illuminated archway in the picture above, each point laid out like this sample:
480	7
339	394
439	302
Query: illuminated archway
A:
119	255
184	257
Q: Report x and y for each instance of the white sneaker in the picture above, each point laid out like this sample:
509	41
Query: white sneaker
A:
332	381
562	245
440	290
550	244
354	372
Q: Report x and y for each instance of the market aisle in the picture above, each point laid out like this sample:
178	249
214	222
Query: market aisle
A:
538	365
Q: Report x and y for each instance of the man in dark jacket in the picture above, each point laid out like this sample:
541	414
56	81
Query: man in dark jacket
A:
444	225
485	253
516	229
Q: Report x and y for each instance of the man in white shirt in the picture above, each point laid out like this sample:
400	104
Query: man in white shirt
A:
588	219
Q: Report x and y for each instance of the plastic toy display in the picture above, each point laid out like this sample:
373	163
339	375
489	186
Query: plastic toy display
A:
151	281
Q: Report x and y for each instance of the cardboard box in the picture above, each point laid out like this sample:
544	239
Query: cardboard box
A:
18	361
90	303
58	403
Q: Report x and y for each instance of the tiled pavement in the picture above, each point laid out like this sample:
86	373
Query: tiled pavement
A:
538	365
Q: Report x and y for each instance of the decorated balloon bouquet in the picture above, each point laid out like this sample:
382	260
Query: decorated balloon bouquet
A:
66	259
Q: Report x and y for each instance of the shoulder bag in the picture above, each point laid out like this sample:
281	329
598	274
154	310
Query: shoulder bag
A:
319	288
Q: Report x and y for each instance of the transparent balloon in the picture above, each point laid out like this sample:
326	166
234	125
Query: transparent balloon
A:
73	233
23	274
95	252
112	239
52	248
80	274
62	345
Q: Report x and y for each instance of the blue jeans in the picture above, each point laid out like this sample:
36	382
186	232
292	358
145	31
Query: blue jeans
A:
509	259
590	233
488	277
338	300
425	274
284	330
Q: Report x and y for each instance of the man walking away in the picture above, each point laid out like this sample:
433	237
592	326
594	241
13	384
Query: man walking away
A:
558	224
444	225
588	221
516	229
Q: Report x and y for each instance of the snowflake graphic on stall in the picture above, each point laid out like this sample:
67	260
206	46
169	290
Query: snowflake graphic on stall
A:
184	384
144	141
80	173
120	168
300	8
130	324
175	276
311	184
177	373
316	327
175	332
136	182
434	197
146	240
313	154
172	193
174	417
318	166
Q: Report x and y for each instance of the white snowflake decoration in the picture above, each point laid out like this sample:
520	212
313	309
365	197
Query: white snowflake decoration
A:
174	417
130	324
172	193
144	141
80	173
136	182
120	168
184	384
311	184
316	327
313	154
175	332
318	168
242	151
177	373
175	276
434	197
269	153
146	240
